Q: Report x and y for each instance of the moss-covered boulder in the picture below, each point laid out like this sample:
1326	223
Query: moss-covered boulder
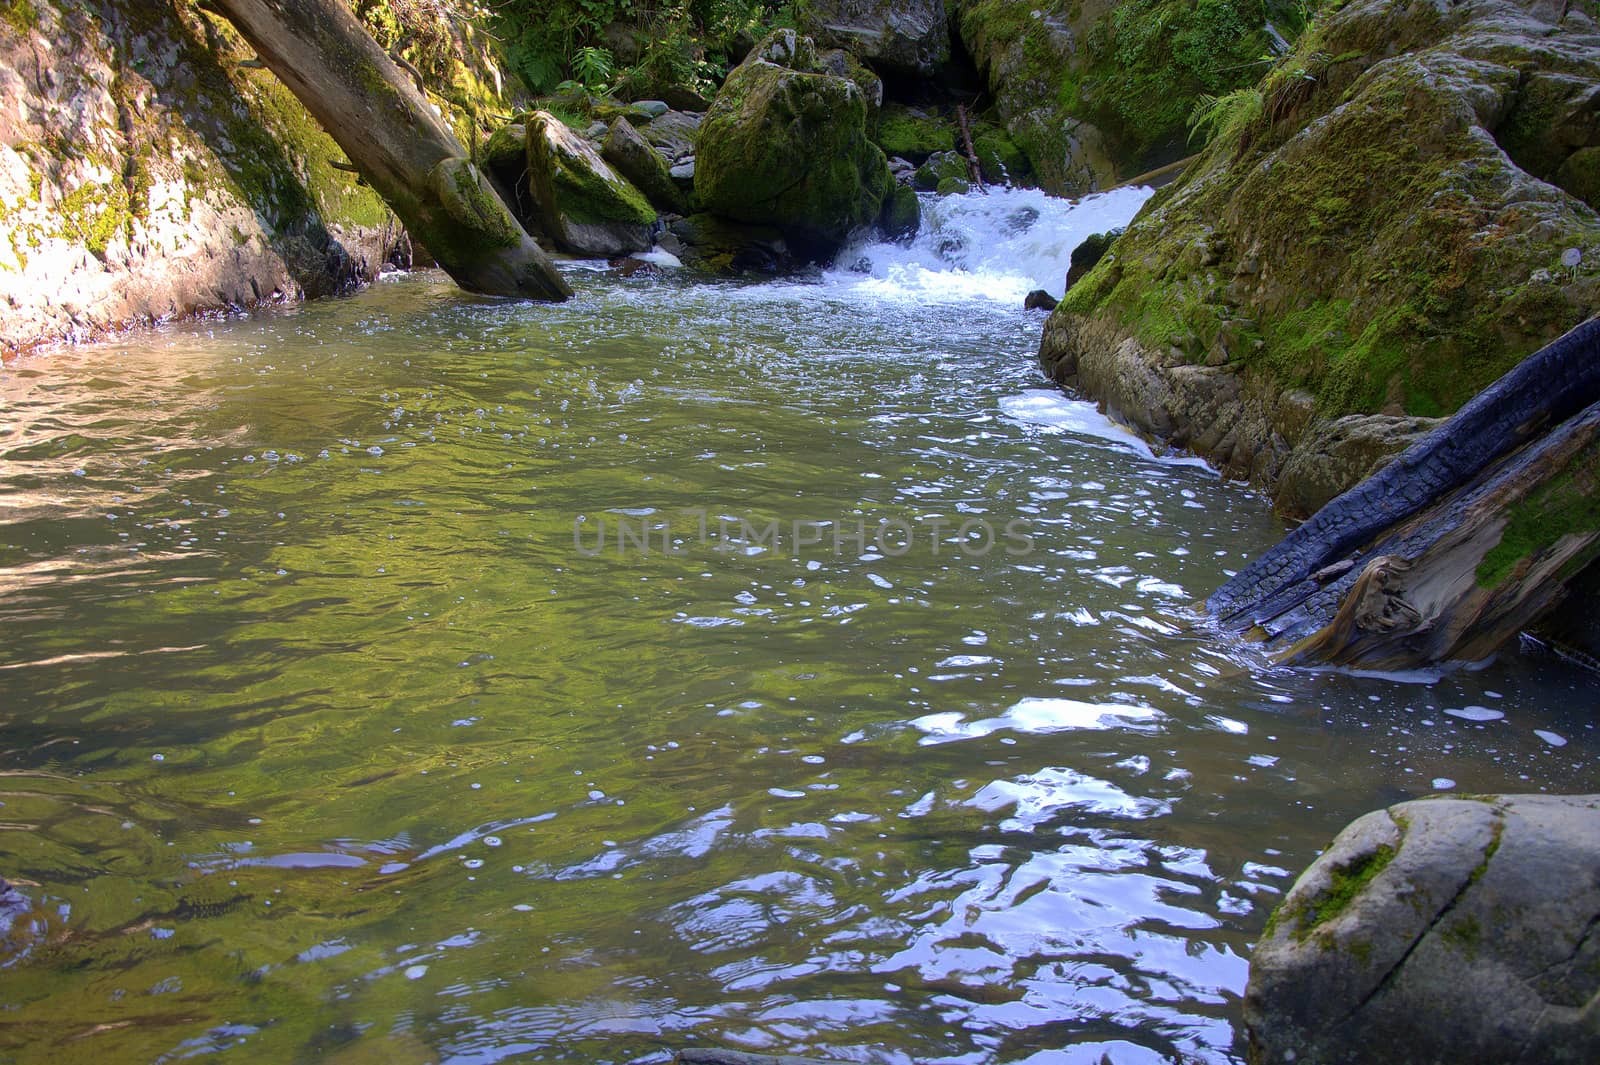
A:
1360	240
842	64
1095	91
786	145
641	164
939	169
581	202
902	38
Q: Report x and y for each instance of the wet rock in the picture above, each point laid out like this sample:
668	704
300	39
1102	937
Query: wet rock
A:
940	167
1088	254
1439	930
902	213
719	247
739	1057
1039	300
785	145
1341	453
581	202
904	38
641	164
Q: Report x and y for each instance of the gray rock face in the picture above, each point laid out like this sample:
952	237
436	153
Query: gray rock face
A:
907	38
1441	930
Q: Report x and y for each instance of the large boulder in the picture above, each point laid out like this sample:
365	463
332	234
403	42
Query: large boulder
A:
786	145
900	38
641	164
1379	228
581	202
1439	930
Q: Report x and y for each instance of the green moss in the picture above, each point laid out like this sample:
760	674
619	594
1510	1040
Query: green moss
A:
93	214
913	136
20	15
953	186
1580	176
1568	505
1346	882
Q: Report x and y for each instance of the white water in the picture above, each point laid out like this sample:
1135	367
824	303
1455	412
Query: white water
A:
999	245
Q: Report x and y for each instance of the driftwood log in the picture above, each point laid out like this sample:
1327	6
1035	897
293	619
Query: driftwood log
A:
396	140
1455	546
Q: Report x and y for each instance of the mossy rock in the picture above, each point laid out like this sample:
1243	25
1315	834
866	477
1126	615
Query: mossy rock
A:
1579	175
902	213
914	135
953	186
842	64
585	205
939	168
999	158
1388	256
641	164
903	38
787	147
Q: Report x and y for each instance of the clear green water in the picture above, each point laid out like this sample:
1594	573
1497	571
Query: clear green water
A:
310	752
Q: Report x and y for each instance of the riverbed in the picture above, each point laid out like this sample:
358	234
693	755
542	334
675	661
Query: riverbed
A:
778	665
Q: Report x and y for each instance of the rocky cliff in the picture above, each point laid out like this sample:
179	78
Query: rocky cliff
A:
150	169
1396	215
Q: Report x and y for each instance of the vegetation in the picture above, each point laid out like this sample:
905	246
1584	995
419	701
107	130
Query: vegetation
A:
630	46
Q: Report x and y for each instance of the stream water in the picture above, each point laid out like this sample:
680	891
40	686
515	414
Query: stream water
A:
413	677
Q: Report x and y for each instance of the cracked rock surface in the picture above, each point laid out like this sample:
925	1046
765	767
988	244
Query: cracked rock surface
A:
1461	929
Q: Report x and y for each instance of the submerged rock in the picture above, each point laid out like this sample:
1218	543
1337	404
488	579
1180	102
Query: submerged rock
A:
903	38
1439	930
582	203
786	146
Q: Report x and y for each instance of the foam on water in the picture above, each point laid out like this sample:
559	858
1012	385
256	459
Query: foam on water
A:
997	246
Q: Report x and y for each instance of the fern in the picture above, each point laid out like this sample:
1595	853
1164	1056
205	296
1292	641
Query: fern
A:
1227	118
593	67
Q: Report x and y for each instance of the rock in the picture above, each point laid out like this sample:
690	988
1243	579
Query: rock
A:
641	164
505	153
595	131
914	134
1439	930
1088	254
1340	453
682	98
786	146
740	1057
1388	253
1039	300
716	246
902	213
903	38
683	173
939	167
585	205
651	108
953	186
673	133
842	64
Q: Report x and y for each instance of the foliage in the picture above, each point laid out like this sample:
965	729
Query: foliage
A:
629	45
1227	119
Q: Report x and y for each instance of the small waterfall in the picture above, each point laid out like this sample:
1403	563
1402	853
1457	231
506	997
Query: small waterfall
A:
1000	245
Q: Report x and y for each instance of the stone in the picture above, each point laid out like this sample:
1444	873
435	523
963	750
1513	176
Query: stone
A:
902	213
785	145
1039	300
641	164
1444	929
652	108
1340	453
1088	254
581	202
683	98
673	133
722	248
902	38
939	167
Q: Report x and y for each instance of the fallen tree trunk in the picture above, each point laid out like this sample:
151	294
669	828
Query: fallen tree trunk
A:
1454	547
390	131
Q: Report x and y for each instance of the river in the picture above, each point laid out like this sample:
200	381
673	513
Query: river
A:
776	665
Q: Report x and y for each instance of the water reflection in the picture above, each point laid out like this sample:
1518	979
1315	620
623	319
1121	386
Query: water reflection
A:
321	742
